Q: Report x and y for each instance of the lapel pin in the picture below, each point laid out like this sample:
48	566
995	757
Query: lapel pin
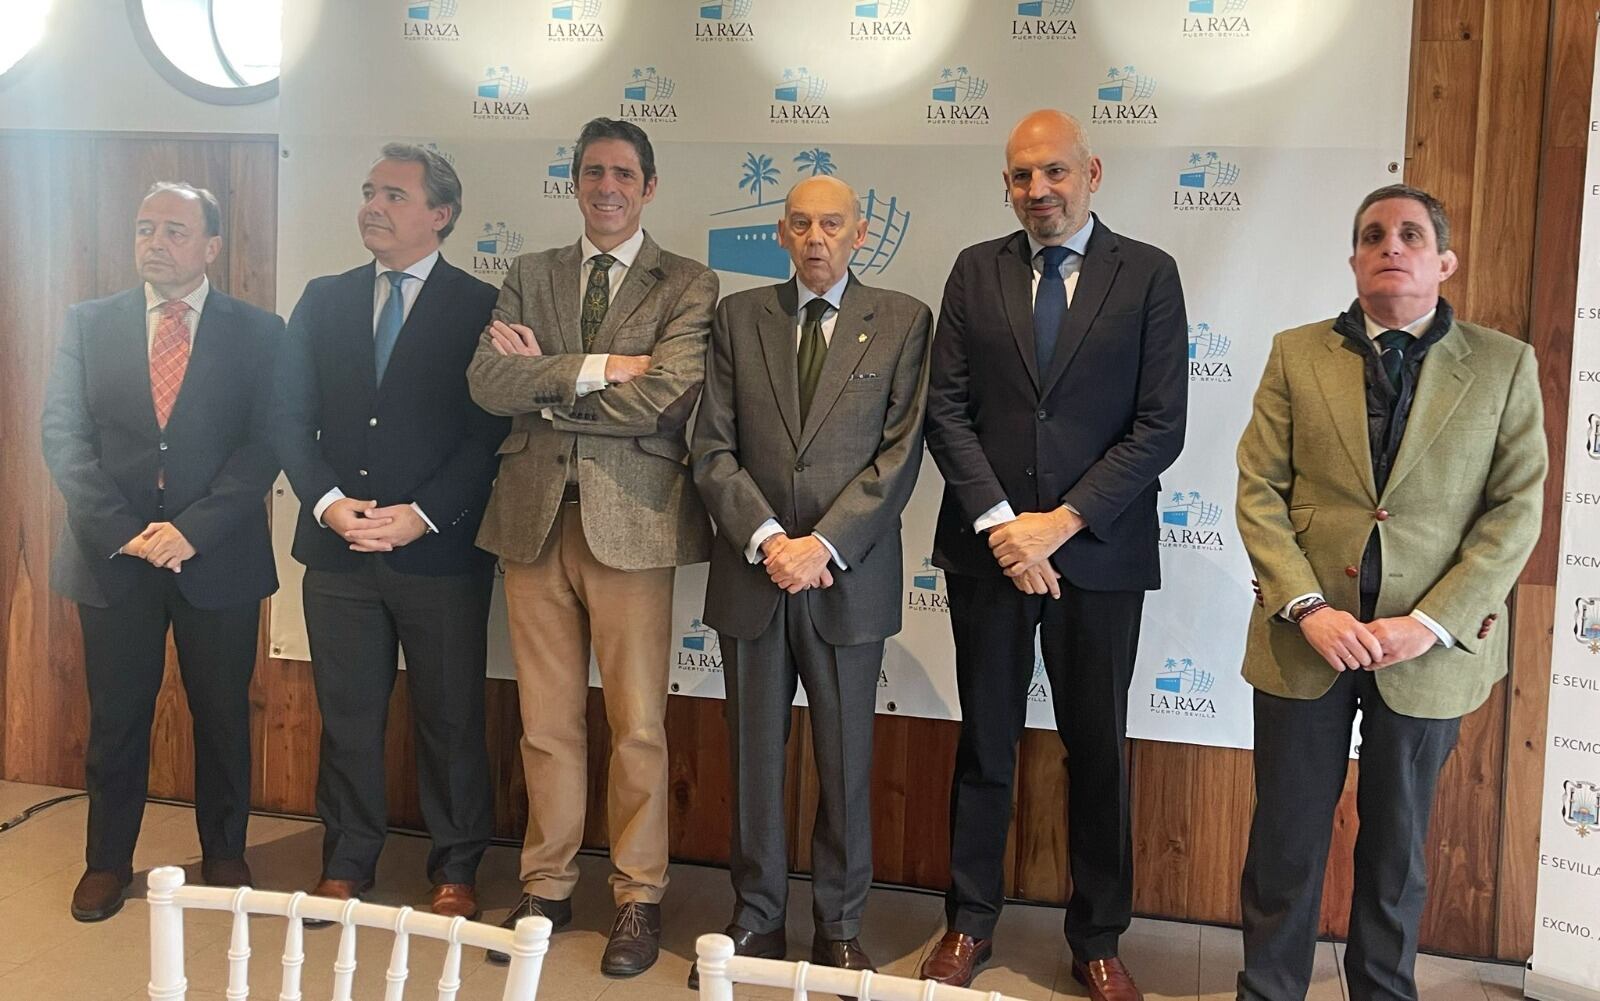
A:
862	338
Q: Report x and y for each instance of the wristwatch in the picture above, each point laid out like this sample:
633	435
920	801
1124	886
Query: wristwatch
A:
1305	606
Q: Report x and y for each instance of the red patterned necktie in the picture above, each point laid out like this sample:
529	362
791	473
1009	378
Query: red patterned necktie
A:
169	358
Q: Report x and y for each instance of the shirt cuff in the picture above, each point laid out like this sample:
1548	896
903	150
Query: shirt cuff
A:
766	530
592	374
326	502
831	551
1283	613
997	515
425	519
1445	639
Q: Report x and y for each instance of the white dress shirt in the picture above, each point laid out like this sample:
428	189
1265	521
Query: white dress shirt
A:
1416	328
1078	243
152	311
830	316
381	290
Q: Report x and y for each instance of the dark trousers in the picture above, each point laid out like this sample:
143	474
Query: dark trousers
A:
841	689
1302	748
1088	640
357	621
124	655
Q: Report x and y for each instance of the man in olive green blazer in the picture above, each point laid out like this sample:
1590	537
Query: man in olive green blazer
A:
1390	483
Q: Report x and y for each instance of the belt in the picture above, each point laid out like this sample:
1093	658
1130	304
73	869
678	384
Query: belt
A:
570	494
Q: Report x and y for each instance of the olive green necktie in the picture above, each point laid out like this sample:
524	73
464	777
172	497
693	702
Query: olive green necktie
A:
596	299
813	351
1392	352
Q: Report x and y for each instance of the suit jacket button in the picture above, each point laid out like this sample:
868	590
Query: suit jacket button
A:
1028	470
1351	572
372	422
1043	413
1382	514
363	472
799	467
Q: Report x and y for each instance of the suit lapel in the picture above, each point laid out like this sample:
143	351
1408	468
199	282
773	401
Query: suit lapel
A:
1101	260
1342	375
565	293
352	326
1444	380
775	326
129	348
636	284
852	335
1016	291
206	351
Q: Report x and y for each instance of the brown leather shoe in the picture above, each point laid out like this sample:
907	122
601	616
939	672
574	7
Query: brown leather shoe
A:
99	894
845	953
956	958
558	911
225	872
1106	979
762	945
635	940
454	900
336	889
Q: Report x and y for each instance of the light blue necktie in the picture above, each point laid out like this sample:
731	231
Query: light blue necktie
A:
389	323
1049	306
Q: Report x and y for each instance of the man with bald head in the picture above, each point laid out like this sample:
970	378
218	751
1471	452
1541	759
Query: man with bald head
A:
1057	397
807	445
154	430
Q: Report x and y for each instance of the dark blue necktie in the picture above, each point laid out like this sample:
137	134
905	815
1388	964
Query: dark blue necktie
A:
1049	307
1392	345
389	323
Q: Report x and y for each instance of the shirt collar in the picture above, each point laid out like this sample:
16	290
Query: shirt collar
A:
1416	328
833	296
1078	242
195	299
624	252
420	270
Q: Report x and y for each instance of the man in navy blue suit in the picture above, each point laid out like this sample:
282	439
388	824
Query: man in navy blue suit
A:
1057	397
392	462
154	431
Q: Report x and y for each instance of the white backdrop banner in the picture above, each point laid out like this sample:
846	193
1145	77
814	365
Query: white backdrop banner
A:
1566	938
1239	135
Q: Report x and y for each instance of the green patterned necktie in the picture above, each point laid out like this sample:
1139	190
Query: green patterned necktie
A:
1392	352
596	298
813	352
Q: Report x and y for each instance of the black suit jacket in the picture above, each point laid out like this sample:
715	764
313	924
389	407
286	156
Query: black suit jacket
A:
106	452
1095	430
418	438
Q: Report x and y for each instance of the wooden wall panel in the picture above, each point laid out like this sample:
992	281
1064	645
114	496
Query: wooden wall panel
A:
1497	125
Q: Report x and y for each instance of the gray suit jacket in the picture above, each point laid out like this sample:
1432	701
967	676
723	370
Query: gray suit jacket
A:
846	473
639	509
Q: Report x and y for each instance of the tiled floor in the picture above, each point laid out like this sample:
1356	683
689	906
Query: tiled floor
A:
44	954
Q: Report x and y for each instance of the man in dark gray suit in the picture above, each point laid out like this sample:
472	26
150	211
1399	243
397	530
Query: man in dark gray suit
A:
806	448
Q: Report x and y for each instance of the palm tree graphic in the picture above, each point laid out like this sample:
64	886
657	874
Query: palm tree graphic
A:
758	170
816	161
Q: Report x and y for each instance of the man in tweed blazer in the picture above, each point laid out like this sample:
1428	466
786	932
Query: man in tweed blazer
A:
806	449
1390	483
596	352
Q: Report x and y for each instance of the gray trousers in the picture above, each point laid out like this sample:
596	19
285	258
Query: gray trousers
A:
1302	748
841	687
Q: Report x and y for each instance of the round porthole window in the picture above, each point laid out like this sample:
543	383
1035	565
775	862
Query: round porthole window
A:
219	51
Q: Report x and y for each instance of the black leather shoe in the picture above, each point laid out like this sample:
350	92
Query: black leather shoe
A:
845	953
635	940
762	945
558	911
98	894
225	872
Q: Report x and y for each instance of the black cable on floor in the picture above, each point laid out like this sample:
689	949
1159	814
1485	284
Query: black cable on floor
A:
25	815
